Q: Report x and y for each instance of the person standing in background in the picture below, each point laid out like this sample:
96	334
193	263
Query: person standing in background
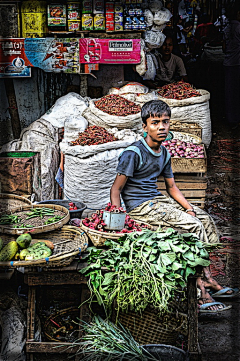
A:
231	48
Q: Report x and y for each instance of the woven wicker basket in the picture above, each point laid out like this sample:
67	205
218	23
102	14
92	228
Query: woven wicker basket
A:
148	328
68	242
10	201
36	228
59	317
99	238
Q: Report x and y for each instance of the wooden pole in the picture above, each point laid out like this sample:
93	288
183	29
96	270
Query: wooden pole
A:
13	109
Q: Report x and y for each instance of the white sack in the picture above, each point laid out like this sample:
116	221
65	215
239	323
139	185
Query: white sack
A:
97	117
205	96
144	98
133	87
71	104
40	137
73	126
125	136
90	179
148	16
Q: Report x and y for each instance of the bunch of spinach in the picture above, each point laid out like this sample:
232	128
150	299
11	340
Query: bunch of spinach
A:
146	268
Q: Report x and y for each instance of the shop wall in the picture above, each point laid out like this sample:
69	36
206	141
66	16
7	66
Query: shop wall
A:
107	76
34	96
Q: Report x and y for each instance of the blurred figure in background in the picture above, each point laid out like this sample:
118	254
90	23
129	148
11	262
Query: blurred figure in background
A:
231	48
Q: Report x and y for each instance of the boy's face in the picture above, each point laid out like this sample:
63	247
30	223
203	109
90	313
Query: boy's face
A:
157	128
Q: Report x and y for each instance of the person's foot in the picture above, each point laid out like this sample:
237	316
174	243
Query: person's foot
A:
209	299
210	283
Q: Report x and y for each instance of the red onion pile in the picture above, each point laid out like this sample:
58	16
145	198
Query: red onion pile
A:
96	222
180	149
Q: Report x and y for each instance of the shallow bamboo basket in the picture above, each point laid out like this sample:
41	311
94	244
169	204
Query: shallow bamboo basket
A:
69	241
10	201
38	228
149	328
98	238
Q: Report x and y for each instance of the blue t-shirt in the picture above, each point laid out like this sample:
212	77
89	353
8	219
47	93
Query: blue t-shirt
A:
141	183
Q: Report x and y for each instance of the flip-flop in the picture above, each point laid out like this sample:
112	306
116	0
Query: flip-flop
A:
204	306
223	293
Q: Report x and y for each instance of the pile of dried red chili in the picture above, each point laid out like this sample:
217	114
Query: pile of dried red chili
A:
96	221
179	90
117	105
94	135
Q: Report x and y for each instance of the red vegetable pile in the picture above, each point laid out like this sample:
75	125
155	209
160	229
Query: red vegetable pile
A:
72	206
94	135
179	90
180	149
96	221
117	105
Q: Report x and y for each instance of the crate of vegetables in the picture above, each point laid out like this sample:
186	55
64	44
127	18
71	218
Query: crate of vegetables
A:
186	157
97	230
35	219
186	127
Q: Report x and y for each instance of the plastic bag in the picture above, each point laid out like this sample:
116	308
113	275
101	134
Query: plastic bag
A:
154	39
161	17
142	67
155	5
148	15
151	67
73	126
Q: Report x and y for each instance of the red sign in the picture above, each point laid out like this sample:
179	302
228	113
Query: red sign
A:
109	51
13	61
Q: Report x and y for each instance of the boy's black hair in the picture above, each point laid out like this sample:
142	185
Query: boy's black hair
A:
154	108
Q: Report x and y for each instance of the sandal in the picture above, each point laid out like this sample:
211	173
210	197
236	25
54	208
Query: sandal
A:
203	308
223	292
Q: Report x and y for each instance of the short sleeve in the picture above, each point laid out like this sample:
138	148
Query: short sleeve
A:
167	170
128	163
180	66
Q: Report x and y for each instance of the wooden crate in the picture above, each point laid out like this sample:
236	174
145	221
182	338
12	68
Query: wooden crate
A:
193	187
191	127
190	165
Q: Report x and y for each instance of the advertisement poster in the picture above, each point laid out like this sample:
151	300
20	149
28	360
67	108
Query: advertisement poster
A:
13	61
53	55
109	51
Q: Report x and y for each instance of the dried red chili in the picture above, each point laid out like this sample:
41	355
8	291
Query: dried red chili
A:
179	90
94	135
117	105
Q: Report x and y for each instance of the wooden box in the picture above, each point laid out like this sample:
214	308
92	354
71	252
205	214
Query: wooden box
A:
192	187
20	173
185	127
190	165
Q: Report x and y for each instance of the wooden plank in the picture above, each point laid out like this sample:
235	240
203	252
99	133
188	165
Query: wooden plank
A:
55	279
31	310
13	107
84	307
50	347
192	315
184	185
188	193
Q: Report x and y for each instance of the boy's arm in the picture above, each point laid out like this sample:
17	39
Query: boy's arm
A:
116	189
176	194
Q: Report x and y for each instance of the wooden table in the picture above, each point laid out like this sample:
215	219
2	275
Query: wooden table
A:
70	276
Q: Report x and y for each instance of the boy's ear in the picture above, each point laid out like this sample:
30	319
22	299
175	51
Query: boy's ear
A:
144	126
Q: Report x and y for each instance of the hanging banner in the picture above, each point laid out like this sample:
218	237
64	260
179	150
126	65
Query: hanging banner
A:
109	51
13	61
53	55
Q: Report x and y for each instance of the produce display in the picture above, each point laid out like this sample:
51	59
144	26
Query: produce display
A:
33	218
25	248
96	221
179	90
103	340
180	149
117	105
144	268
94	135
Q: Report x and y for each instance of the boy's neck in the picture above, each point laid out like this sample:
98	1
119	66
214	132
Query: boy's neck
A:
155	146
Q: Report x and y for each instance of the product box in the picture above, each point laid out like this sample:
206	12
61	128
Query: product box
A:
109	51
56	14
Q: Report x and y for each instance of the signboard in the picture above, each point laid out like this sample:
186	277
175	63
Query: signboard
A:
109	51
53	55
13	61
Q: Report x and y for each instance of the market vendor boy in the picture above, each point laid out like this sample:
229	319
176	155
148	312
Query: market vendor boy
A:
138	169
